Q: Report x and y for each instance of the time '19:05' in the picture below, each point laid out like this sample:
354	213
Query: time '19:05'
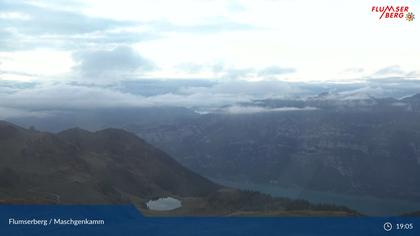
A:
406	226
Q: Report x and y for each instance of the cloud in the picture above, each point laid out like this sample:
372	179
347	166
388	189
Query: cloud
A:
47	97
46	20
235	6
18	73
233	97
255	109
244	73
228	72
214	25
389	70
7	113
28	25
103	64
15	85
275	70
364	92
62	24
63	96
9	41
196	99
256	89
153	87
236	74
392	72
394	79
191	67
353	70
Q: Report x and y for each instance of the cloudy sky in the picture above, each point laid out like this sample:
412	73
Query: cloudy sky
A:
54	46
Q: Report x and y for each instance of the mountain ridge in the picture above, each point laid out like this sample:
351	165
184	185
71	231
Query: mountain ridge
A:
113	166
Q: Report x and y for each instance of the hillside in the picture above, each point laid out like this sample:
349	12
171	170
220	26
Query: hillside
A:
115	166
107	166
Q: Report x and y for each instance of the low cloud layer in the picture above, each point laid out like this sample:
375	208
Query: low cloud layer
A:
8	113
42	99
236	109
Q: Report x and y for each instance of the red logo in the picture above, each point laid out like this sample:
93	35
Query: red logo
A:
410	16
393	12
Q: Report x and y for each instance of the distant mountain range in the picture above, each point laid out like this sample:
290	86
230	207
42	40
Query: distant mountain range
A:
345	101
350	144
114	166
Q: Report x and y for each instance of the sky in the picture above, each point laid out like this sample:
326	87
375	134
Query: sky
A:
54	46
213	39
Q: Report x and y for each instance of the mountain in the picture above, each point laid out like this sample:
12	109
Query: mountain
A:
361	151
38	164
114	166
102	118
413	98
414	101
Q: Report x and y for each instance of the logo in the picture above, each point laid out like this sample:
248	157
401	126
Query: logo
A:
394	12
410	16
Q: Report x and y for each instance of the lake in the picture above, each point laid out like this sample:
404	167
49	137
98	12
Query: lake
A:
164	204
367	205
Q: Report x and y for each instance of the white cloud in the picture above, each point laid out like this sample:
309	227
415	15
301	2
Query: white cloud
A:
58	96
111	64
14	16
62	96
235	97
257	89
256	109
40	62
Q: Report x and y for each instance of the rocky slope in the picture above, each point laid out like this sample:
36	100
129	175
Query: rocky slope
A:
369	149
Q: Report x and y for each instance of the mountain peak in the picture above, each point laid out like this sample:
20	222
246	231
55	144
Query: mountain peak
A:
117	133
75	131
8	130
113	159
415	97
4	123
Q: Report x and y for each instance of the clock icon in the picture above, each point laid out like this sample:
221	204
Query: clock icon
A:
387	226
